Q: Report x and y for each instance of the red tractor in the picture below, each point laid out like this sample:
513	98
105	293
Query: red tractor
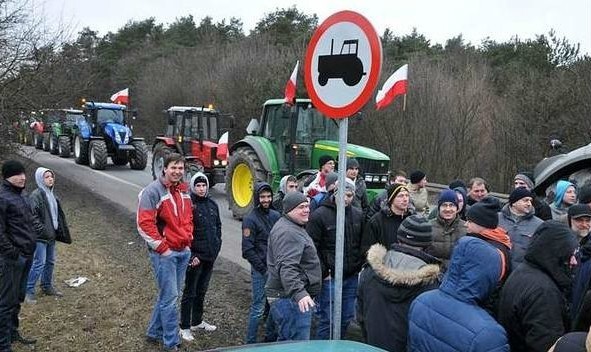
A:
194	132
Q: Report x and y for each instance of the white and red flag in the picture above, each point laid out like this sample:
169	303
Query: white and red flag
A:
394	86
290	87
121	97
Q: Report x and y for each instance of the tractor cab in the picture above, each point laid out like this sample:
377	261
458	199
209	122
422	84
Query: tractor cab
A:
190	125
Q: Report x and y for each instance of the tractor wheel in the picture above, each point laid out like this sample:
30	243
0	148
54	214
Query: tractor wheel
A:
38	140
53	144
138	158
159	153
80	150
322	80
120	158
46	138
64	146
97	154
244	169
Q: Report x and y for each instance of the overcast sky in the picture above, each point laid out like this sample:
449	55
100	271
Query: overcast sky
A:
437	20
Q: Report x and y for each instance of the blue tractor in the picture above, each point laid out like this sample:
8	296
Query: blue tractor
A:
103	133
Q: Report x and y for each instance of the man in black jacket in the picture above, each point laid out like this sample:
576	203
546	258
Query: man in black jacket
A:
17	245
206	245
390	282
322	229
256	227
533	308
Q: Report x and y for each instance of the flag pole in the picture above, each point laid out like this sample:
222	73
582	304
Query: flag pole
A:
404	103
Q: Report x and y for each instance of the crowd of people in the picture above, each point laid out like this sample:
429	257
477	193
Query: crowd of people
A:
467	273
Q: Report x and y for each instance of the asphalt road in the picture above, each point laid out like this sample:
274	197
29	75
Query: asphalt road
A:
121	185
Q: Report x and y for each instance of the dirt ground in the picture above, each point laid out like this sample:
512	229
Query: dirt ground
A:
110	311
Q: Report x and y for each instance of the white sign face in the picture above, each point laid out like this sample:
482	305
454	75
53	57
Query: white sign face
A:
343	63
345	50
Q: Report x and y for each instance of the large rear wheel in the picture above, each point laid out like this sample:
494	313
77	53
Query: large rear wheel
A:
159	153
138	158
244	169
53	144
46	138
64	146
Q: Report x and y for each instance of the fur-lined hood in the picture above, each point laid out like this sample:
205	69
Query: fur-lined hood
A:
400	268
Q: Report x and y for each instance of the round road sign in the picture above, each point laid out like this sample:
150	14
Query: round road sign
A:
343	64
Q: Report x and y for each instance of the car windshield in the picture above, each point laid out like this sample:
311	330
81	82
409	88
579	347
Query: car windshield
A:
105	116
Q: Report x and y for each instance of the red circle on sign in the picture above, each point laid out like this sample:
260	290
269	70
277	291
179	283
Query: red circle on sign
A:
376	62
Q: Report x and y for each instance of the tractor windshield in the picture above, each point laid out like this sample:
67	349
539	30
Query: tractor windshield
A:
313	125
104	116
72	117
204	126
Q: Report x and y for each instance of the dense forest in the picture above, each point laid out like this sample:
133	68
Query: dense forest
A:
472	110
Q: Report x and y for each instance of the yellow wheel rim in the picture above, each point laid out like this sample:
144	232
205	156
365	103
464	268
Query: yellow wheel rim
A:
242	185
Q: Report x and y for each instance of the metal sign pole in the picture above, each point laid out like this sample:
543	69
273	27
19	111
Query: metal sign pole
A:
340	236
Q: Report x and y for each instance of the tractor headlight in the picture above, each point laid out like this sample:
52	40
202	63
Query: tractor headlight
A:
126	139
384	179
224	162
368	178
376	179
117	138
216	163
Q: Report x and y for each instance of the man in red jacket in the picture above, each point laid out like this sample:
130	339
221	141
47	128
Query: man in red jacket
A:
165	222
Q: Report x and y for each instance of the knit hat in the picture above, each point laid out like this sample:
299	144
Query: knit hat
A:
330	179
484	213
292	200
394	189
352	163
585	194
349	185
525	178
199	179
519	193
12	168
417	176
457	183
561	187
415	230
447	195
324	159
578	210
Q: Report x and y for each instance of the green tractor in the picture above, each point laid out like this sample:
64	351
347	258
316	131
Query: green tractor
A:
61	131
290	140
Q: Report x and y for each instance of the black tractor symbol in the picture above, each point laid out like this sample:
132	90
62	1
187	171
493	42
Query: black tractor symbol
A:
345	65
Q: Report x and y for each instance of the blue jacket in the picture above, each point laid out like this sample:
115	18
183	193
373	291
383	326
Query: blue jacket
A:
449	318
256	227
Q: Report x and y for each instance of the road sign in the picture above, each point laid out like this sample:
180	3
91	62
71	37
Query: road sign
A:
343	64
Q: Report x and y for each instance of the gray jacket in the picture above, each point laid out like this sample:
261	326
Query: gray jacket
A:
293	266
445	236
520	231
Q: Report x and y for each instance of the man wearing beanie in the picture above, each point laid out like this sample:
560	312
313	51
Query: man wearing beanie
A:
533	304
330	184
447	226
382	227
256	229
542	209
294	271
419	196
317	183
519	220
322	228
360	201
579	220
17	246
391	281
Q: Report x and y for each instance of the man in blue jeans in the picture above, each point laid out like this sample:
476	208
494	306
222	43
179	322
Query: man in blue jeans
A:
256	228
322	229
17	245
293	269
165	222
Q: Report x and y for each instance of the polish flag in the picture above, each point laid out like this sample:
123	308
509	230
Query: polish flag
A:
121	97
290	87
394	86
222	151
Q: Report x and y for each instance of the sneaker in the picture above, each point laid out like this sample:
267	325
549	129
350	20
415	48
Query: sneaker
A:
17	337
204	326
186	335
52	292
30	299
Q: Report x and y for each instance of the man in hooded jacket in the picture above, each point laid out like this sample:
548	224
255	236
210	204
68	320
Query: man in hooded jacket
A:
205	247
48	221
256	227
450	318
532	306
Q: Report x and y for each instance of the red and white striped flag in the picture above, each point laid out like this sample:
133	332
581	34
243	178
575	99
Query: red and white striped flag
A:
394	86
121	97
290	87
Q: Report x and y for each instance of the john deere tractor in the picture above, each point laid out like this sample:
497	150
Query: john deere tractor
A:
195	133
60	129
103	133
290	140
